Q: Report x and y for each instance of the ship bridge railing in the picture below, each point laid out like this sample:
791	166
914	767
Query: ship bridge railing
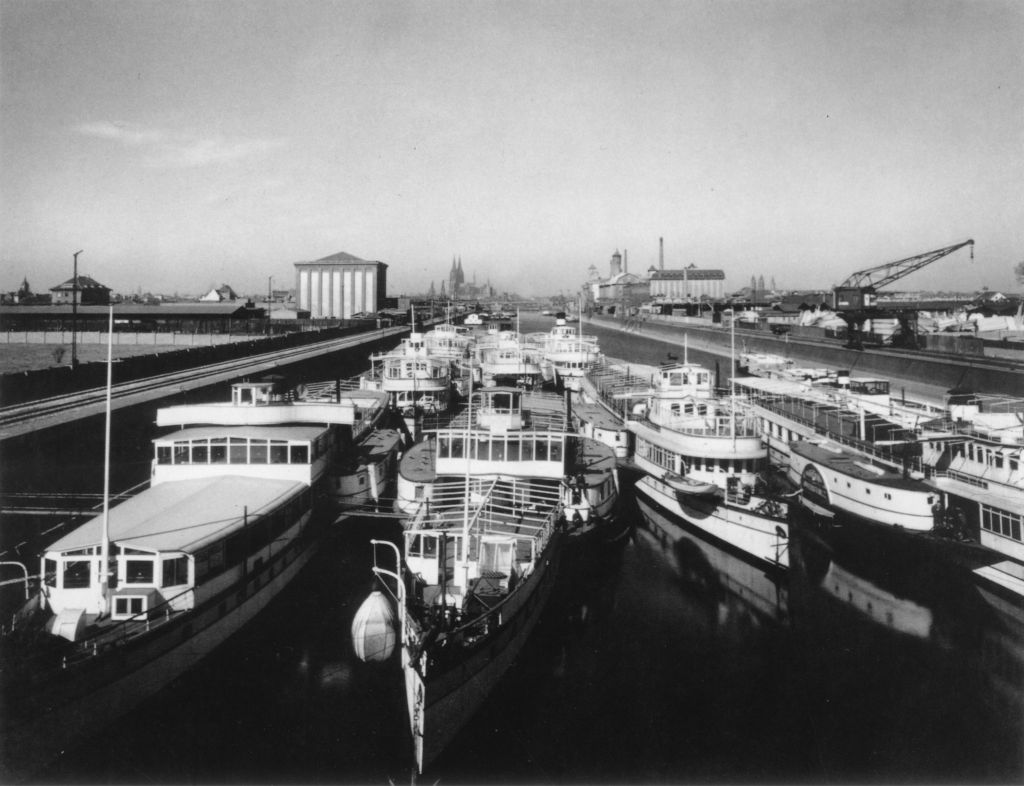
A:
742	427
509	506
833	421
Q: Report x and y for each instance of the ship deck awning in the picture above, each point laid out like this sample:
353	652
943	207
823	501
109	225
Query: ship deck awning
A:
855	466
599	417
182	516
988	493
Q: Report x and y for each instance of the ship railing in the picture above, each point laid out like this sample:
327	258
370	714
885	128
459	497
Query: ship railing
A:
702	425
492	616
535	422
961	477
827	420
495	505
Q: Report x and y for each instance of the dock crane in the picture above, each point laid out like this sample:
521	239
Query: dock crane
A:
855	299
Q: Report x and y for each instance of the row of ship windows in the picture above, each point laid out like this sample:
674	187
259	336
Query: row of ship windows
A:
666	458
238	451
993	457
406	370
498	449
77	573
258	533
678	379
1001	522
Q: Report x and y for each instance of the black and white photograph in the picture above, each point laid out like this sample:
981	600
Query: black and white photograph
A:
511	393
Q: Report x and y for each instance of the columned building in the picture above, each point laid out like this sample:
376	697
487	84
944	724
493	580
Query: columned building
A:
338	286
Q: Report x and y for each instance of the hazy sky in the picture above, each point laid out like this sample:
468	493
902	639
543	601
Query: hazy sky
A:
188	144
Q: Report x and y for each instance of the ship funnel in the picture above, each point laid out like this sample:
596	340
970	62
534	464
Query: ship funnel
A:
374	632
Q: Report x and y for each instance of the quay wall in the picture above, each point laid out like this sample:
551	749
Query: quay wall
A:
122	338
978	374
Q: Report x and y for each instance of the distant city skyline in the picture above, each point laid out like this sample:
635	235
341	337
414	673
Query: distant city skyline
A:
186	145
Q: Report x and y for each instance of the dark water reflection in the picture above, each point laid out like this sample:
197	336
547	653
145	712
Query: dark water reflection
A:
664	659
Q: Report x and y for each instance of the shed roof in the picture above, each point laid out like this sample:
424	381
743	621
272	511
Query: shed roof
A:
84	282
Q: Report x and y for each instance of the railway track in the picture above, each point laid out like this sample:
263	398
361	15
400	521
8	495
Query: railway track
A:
20	419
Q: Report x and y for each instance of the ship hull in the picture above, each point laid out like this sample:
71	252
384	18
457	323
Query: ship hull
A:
452	696
79	703
739	529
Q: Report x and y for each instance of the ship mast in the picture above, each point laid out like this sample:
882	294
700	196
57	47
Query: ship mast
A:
732	372
468	453
105	540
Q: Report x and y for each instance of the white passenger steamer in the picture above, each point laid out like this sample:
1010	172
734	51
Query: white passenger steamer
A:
704	462
568	354
131	599
489	501
453	343
418	381
954	470
833	479
503	357
980	473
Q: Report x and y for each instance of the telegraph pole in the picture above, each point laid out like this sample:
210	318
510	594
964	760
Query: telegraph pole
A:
74	314
270	297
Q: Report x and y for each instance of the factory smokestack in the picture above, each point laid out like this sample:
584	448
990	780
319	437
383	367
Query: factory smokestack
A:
625	260
661	253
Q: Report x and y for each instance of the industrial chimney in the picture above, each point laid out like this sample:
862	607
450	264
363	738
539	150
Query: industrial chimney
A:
661	253
625	260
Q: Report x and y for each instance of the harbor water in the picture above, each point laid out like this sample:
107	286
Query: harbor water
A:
662	659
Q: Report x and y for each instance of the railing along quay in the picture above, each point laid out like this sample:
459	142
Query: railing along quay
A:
20	419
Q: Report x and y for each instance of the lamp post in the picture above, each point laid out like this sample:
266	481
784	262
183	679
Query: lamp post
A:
74	313
270	297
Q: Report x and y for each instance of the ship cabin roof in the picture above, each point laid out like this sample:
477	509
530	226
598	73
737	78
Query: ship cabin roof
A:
851	465
597	416
182	516
300	433
381	442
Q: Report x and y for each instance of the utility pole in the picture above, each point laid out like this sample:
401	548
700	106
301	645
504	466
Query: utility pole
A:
74	314
270	296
